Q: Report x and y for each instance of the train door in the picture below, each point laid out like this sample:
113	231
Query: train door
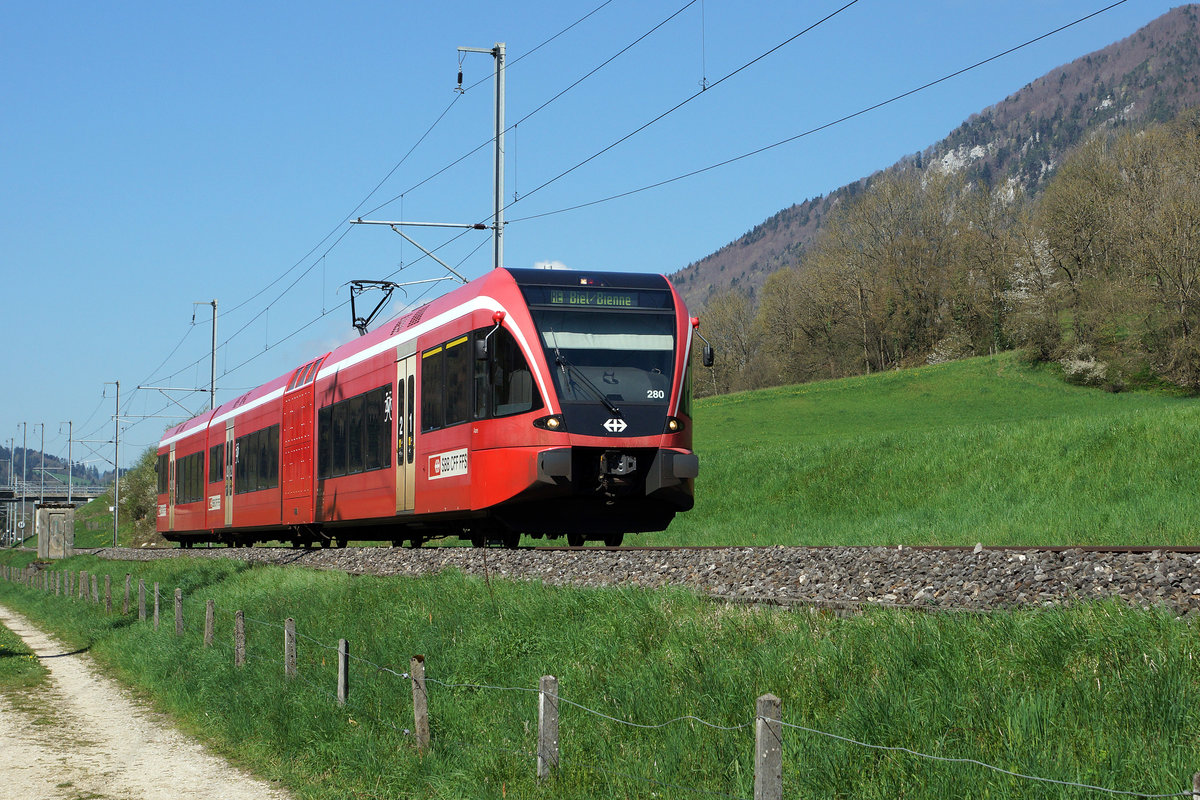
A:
406	397
230	457
171	490
297	439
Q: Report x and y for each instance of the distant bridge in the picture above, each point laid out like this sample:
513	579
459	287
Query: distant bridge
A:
56	493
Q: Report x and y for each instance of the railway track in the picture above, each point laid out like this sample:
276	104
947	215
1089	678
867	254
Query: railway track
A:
930	578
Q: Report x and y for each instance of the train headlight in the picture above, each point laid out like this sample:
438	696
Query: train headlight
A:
674	425
554	422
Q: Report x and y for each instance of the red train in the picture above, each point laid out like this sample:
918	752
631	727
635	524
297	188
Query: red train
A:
540	402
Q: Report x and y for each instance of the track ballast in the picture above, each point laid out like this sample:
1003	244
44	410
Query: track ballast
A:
961	579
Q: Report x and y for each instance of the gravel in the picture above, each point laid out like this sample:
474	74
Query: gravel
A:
838	577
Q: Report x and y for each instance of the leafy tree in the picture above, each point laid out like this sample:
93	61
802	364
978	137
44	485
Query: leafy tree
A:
139	492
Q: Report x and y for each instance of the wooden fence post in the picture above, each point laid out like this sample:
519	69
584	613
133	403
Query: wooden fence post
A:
547	752
289	647
1196	786
107	594
83	583
125	607
58	583
95	590
156	605
343	686
768	749
239	639
420	703
178	612
209	613
141	599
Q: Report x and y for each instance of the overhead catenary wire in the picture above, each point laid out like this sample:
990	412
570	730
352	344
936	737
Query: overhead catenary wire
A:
685	101
354	212
556	97
824	126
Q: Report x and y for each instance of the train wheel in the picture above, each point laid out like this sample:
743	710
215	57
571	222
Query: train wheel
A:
614	539
479	540
576	539
511	540
415	542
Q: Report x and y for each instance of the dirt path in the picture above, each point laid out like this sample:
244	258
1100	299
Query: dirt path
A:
82	737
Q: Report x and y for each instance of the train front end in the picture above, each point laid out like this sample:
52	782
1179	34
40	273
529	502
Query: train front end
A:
615	348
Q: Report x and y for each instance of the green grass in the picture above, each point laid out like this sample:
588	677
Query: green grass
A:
94	524
983	450
19	667
1098	694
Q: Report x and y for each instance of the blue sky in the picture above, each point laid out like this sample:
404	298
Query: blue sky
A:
153	155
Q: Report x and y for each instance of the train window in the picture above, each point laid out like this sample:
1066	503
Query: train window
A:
189	476
337	463
458	381
432	408
408	425
481	379
374	439
216	463
324	440
257	460
161	468
513	389
354	435
268	476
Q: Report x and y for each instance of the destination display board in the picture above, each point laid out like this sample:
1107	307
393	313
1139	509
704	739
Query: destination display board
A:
595	297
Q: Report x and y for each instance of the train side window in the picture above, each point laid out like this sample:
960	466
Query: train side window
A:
383	431
482	394
408	427
337	466
458	381
216	463
354	435
271	445
196	476
513	389
161	468
242	459
373	444
324	441
189	476
432	406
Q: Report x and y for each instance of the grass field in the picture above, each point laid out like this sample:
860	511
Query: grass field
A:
19	668
1099	694
983	450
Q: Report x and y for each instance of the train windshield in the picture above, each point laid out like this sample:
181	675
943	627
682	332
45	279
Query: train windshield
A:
611	357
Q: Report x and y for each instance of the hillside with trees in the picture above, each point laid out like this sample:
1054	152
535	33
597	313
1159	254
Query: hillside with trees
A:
1100	273
14	460
1016	145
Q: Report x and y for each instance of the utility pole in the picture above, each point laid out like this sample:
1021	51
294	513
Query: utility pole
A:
10	526
212	385
497	53
42	471
24	472
70	463
117	464
116	509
